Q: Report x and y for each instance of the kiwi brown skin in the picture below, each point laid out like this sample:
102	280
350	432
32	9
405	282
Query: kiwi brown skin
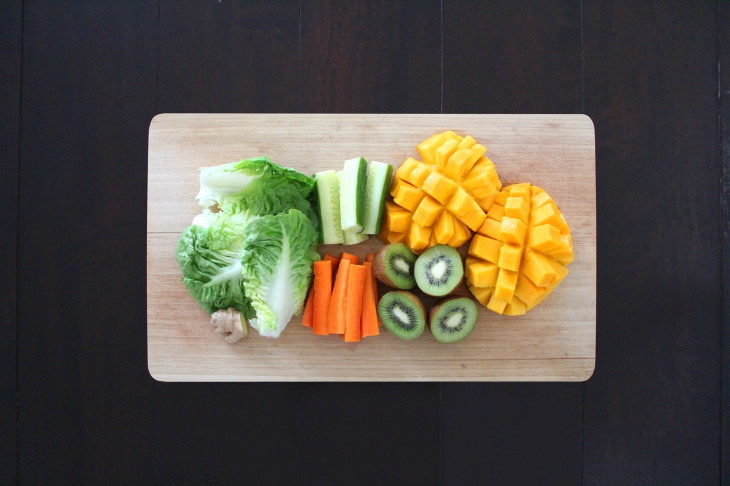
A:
380	269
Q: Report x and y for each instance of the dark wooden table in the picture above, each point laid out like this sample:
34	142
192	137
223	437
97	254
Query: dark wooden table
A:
81	81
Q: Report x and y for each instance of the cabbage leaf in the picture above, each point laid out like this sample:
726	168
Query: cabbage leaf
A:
276	263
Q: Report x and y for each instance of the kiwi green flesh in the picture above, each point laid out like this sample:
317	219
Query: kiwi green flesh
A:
402	313
439	270
393	266
453	319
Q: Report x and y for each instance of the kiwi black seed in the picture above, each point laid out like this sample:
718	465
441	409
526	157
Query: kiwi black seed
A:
393	266
439	270
453	319
402	313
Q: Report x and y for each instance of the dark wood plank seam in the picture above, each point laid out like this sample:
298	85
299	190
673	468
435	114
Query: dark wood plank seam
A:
17	250
723	88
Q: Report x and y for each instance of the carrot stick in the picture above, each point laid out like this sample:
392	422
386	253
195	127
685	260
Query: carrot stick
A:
369	322
336	312
322	292
308	309
374	282
354	259
353	302
335	262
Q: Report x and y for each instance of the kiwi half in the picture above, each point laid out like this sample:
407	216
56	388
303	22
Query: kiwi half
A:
402	313
453	319
439	270
393	266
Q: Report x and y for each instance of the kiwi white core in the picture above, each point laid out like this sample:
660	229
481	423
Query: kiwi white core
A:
439	269
401	315
454	320
402	265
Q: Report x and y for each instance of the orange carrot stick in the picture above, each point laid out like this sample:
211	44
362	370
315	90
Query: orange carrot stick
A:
322	292
308	309
369	322
353	302
370	257
335	262
336	313
354	259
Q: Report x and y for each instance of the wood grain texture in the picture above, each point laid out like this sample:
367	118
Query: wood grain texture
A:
724	100
651	410
554	152
370	57
245	56
489	69
229	56
86	400
512	57
11	23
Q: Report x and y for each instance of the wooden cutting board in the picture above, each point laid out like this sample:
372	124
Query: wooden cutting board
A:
553	342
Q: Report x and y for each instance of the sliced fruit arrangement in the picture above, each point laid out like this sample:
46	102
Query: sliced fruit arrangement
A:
437	272
343	299
520	252
442	198
351	201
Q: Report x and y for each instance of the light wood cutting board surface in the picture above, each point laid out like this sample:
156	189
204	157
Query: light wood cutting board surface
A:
553	342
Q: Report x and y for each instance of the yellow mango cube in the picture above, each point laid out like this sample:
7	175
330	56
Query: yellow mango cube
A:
481	273
538	269
407	196
418	237
546	214
439	187
517	207
512	230
510	257
485	248
461	234
444	152
444	228
465	208
496	305
427	212
492	228
482	294
528	292
405	169
506	284
396	218
427	148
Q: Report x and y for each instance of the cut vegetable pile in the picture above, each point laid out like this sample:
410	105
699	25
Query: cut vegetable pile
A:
250	256
343	299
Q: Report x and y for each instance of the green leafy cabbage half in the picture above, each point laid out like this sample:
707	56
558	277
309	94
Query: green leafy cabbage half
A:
219	252
276	262
209	255
230	186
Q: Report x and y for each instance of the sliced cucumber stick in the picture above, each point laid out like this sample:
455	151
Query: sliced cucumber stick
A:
352	193
355	238
376	188
328	197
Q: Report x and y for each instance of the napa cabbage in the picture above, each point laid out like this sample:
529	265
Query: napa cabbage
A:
221	254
